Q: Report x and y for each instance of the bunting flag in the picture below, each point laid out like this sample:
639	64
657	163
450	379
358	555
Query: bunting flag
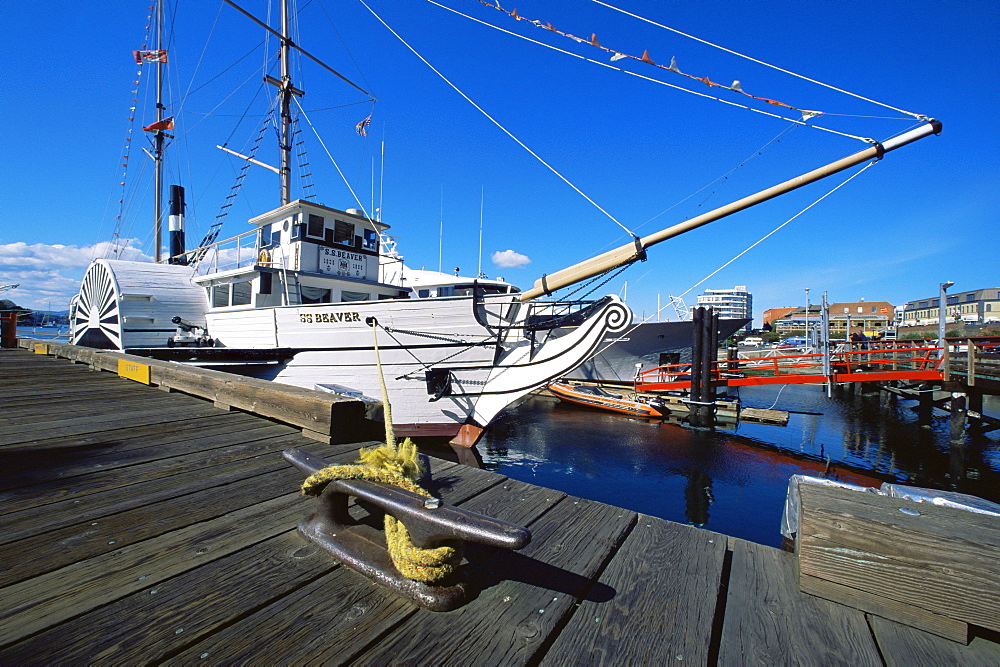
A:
165	124
362	127
150	56
736	87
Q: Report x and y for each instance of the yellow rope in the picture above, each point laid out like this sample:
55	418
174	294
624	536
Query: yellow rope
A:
399	466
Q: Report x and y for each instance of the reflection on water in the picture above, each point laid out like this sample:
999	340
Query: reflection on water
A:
733	480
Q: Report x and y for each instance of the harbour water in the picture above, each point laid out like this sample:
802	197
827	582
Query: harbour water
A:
734	480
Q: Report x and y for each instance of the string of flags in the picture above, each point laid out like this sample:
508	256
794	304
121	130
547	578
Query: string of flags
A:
735	87
142	55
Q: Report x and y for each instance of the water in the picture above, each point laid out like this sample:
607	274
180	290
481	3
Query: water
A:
734	480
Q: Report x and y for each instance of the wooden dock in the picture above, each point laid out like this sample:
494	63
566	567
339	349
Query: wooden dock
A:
139	526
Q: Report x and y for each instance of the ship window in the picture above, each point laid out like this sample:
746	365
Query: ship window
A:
371	240
220	296
344	233
315	294
424	293
241	293
447	290
315	225
354	296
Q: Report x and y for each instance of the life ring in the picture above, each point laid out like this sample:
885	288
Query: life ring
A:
265	257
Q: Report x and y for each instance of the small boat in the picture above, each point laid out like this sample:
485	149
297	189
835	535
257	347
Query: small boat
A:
593	396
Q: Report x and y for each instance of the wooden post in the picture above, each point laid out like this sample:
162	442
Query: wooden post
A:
710	355
925	403
694	395
970	377
958	419
8	330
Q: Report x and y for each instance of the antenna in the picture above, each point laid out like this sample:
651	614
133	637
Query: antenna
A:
441	232
381	177
482	200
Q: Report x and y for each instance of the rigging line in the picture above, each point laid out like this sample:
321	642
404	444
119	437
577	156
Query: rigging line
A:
754	154
297	47
775	230
751	247
494	121
651	79
333	161
759	62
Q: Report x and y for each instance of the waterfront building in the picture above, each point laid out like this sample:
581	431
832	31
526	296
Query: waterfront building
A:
978	306
846	317
870	317
732	303
771	315
794	320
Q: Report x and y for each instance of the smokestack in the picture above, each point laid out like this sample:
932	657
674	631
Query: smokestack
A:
176	225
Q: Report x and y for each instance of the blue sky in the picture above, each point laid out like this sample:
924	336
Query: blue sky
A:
648	154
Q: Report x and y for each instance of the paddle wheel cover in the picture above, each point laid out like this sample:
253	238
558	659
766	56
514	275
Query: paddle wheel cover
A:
96	318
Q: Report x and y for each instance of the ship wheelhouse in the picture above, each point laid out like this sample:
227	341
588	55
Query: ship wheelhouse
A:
303	253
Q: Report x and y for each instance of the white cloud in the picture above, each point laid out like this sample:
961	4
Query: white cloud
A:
49	275
508	259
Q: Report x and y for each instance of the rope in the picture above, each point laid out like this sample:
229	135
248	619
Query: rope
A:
400	467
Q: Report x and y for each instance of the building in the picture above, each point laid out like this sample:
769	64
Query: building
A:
794	320
871	317
980	306
771	315
732	303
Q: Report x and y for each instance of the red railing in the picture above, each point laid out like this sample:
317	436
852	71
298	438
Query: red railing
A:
877	360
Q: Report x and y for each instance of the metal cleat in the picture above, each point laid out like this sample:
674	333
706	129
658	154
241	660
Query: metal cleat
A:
429	521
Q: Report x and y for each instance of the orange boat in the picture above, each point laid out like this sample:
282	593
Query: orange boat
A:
592	396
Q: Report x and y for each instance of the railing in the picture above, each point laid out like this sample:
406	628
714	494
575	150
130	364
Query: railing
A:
235	252
859	361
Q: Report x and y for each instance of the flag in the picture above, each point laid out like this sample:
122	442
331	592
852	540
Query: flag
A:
150	56
165	124
362	127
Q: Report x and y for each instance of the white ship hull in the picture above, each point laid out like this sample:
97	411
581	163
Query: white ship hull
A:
445	361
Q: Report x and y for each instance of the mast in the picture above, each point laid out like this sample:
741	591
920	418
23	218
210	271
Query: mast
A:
286	111
158	142
636	250
285	92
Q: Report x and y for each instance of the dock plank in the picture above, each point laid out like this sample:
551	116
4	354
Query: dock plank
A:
249	461
44	601
903	646
768	620
525	595
666	579
102	422
40	477
323	617
176	612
